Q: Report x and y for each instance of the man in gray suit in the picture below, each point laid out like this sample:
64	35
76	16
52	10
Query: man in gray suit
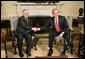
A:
24	25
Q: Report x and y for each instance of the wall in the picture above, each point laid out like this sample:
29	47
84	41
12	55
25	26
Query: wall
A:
8	9
70	8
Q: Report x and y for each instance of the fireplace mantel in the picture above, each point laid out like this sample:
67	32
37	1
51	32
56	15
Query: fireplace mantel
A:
43	9
38	4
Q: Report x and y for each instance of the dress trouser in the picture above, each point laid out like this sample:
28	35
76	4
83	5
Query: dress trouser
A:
66	37
28	39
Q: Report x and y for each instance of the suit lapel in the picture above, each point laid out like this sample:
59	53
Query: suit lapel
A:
59	21
53	22
26	20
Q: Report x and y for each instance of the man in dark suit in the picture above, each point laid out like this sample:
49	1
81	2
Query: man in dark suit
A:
24	25
59	27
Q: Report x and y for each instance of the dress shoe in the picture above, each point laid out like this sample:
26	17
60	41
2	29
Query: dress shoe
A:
21	54
26	52
29	54
50	52
63	53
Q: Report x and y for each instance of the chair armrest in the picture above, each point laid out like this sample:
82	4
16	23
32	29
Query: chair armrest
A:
71	29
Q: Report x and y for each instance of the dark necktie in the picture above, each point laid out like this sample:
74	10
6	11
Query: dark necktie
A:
27	20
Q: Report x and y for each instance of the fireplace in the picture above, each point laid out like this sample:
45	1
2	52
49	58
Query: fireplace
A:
39	21
39	13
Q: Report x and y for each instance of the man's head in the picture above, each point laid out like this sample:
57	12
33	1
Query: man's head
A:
25	13
55	12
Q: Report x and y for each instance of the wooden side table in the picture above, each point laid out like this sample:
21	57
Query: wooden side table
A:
79	21
6	24
80	39
3	40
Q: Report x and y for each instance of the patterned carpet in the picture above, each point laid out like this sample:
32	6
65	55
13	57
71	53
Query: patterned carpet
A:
42	47
42	51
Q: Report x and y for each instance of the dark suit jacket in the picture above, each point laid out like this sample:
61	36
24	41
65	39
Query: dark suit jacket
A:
23	26
62	24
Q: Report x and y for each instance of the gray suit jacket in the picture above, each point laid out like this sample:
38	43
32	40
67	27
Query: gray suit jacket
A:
23	26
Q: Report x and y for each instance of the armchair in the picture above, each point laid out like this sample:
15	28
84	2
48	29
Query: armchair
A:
13	34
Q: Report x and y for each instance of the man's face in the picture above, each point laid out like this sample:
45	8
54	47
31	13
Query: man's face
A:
26	14
55	13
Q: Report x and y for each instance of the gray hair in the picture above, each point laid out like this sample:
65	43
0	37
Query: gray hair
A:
54	10
25	10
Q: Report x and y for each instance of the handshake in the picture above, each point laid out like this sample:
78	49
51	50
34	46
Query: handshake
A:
35	29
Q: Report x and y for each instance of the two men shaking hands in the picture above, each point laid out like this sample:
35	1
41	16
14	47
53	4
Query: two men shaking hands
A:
59	27
35	29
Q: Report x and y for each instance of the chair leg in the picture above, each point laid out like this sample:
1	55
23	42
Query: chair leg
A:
71	51
79	47
14	46
14	43
35	47
71	48
15	52
5	48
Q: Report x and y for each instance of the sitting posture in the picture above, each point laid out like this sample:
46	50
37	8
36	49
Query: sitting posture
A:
59	27
23	30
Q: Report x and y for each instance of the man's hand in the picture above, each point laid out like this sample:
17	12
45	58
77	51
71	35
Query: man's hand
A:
60	36
35	29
